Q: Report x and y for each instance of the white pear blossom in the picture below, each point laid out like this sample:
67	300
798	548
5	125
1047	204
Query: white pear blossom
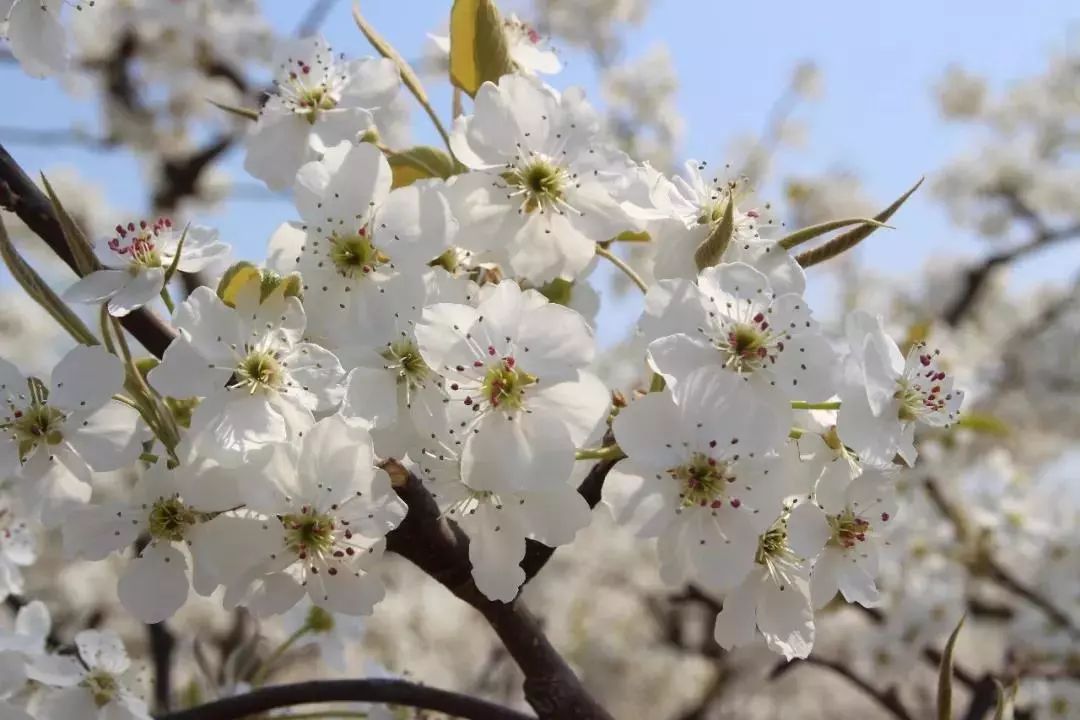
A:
498	523
144	253
527	48
319	101
774	599
517	362
52	435
700	477
887	395
22	645
359	233
737	323
100	687
258	380
315	523
536	203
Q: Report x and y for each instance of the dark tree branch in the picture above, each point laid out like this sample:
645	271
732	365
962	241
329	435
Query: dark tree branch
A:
314	17
162	644
888	700
387	692
537	554
179	176
22	197
441	549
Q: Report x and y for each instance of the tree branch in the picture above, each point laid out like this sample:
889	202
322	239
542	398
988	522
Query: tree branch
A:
441	549
21	196
888	699
388	692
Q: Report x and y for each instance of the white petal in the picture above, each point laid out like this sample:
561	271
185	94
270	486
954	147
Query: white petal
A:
581	404
109	439
285	247
555	516
371	395
808	529
97	287
496	548
33	621
102	649
722	543
318	372
86	378
736	622
274	594
641	498
278	146
676	356
37	39
141	289
786	619
648	431
69	704
155	584
351	593
95	531
517	452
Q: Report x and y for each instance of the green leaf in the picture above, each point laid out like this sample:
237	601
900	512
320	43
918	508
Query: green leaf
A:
246	113
171	270
945	675
983	424
42	294
80	247
478	49
421	162
712	248
848	240
809	233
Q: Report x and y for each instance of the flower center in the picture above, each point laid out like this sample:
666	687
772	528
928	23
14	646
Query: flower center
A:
308	533
354	255
170	518
102	685
504	384
703	481
404	358
772	546
138	244
749	346
540	183
260	370
922	391
847	530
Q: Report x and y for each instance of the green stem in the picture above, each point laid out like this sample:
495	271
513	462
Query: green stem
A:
268	664
167	299
803	405
328	714
608	452
621	264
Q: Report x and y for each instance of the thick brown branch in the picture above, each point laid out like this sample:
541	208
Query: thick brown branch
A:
387	692
441	549
22	197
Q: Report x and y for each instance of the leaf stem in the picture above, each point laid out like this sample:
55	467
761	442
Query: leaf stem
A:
268	664
621	264
803	405
607	452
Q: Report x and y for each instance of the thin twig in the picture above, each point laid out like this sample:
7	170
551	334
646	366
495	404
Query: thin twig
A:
888	699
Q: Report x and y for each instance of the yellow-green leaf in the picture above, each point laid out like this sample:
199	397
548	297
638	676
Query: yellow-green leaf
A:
632	236
478	48
408	76
235	279
712	248
246	113
809	233
420	162
846	241
945	675
983	424
80	247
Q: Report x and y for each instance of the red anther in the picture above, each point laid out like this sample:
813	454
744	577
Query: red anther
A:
454	386
712	443
332	571
780	346
884	517
924	359
350	551
348	534
460	368
534	37
735	502
491	350
759	317
468	401
362	231
716	504
860	536
509	362
478	363
131	226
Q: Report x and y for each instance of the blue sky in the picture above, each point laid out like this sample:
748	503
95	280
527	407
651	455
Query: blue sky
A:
877	117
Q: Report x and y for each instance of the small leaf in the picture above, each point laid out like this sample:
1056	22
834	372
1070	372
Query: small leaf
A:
41	293
712	249
80	247
478	48
420	162
983	423
235	279
848	240
408	76
633	237
1005	700
809	233
246	113
945	675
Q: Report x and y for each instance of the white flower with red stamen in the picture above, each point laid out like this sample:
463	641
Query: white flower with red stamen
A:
703	475
52	435
259	382
498	523
136	261
358	234
536	204
887	395
773	600
320	101
316	523
848	535
736	322
517	362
